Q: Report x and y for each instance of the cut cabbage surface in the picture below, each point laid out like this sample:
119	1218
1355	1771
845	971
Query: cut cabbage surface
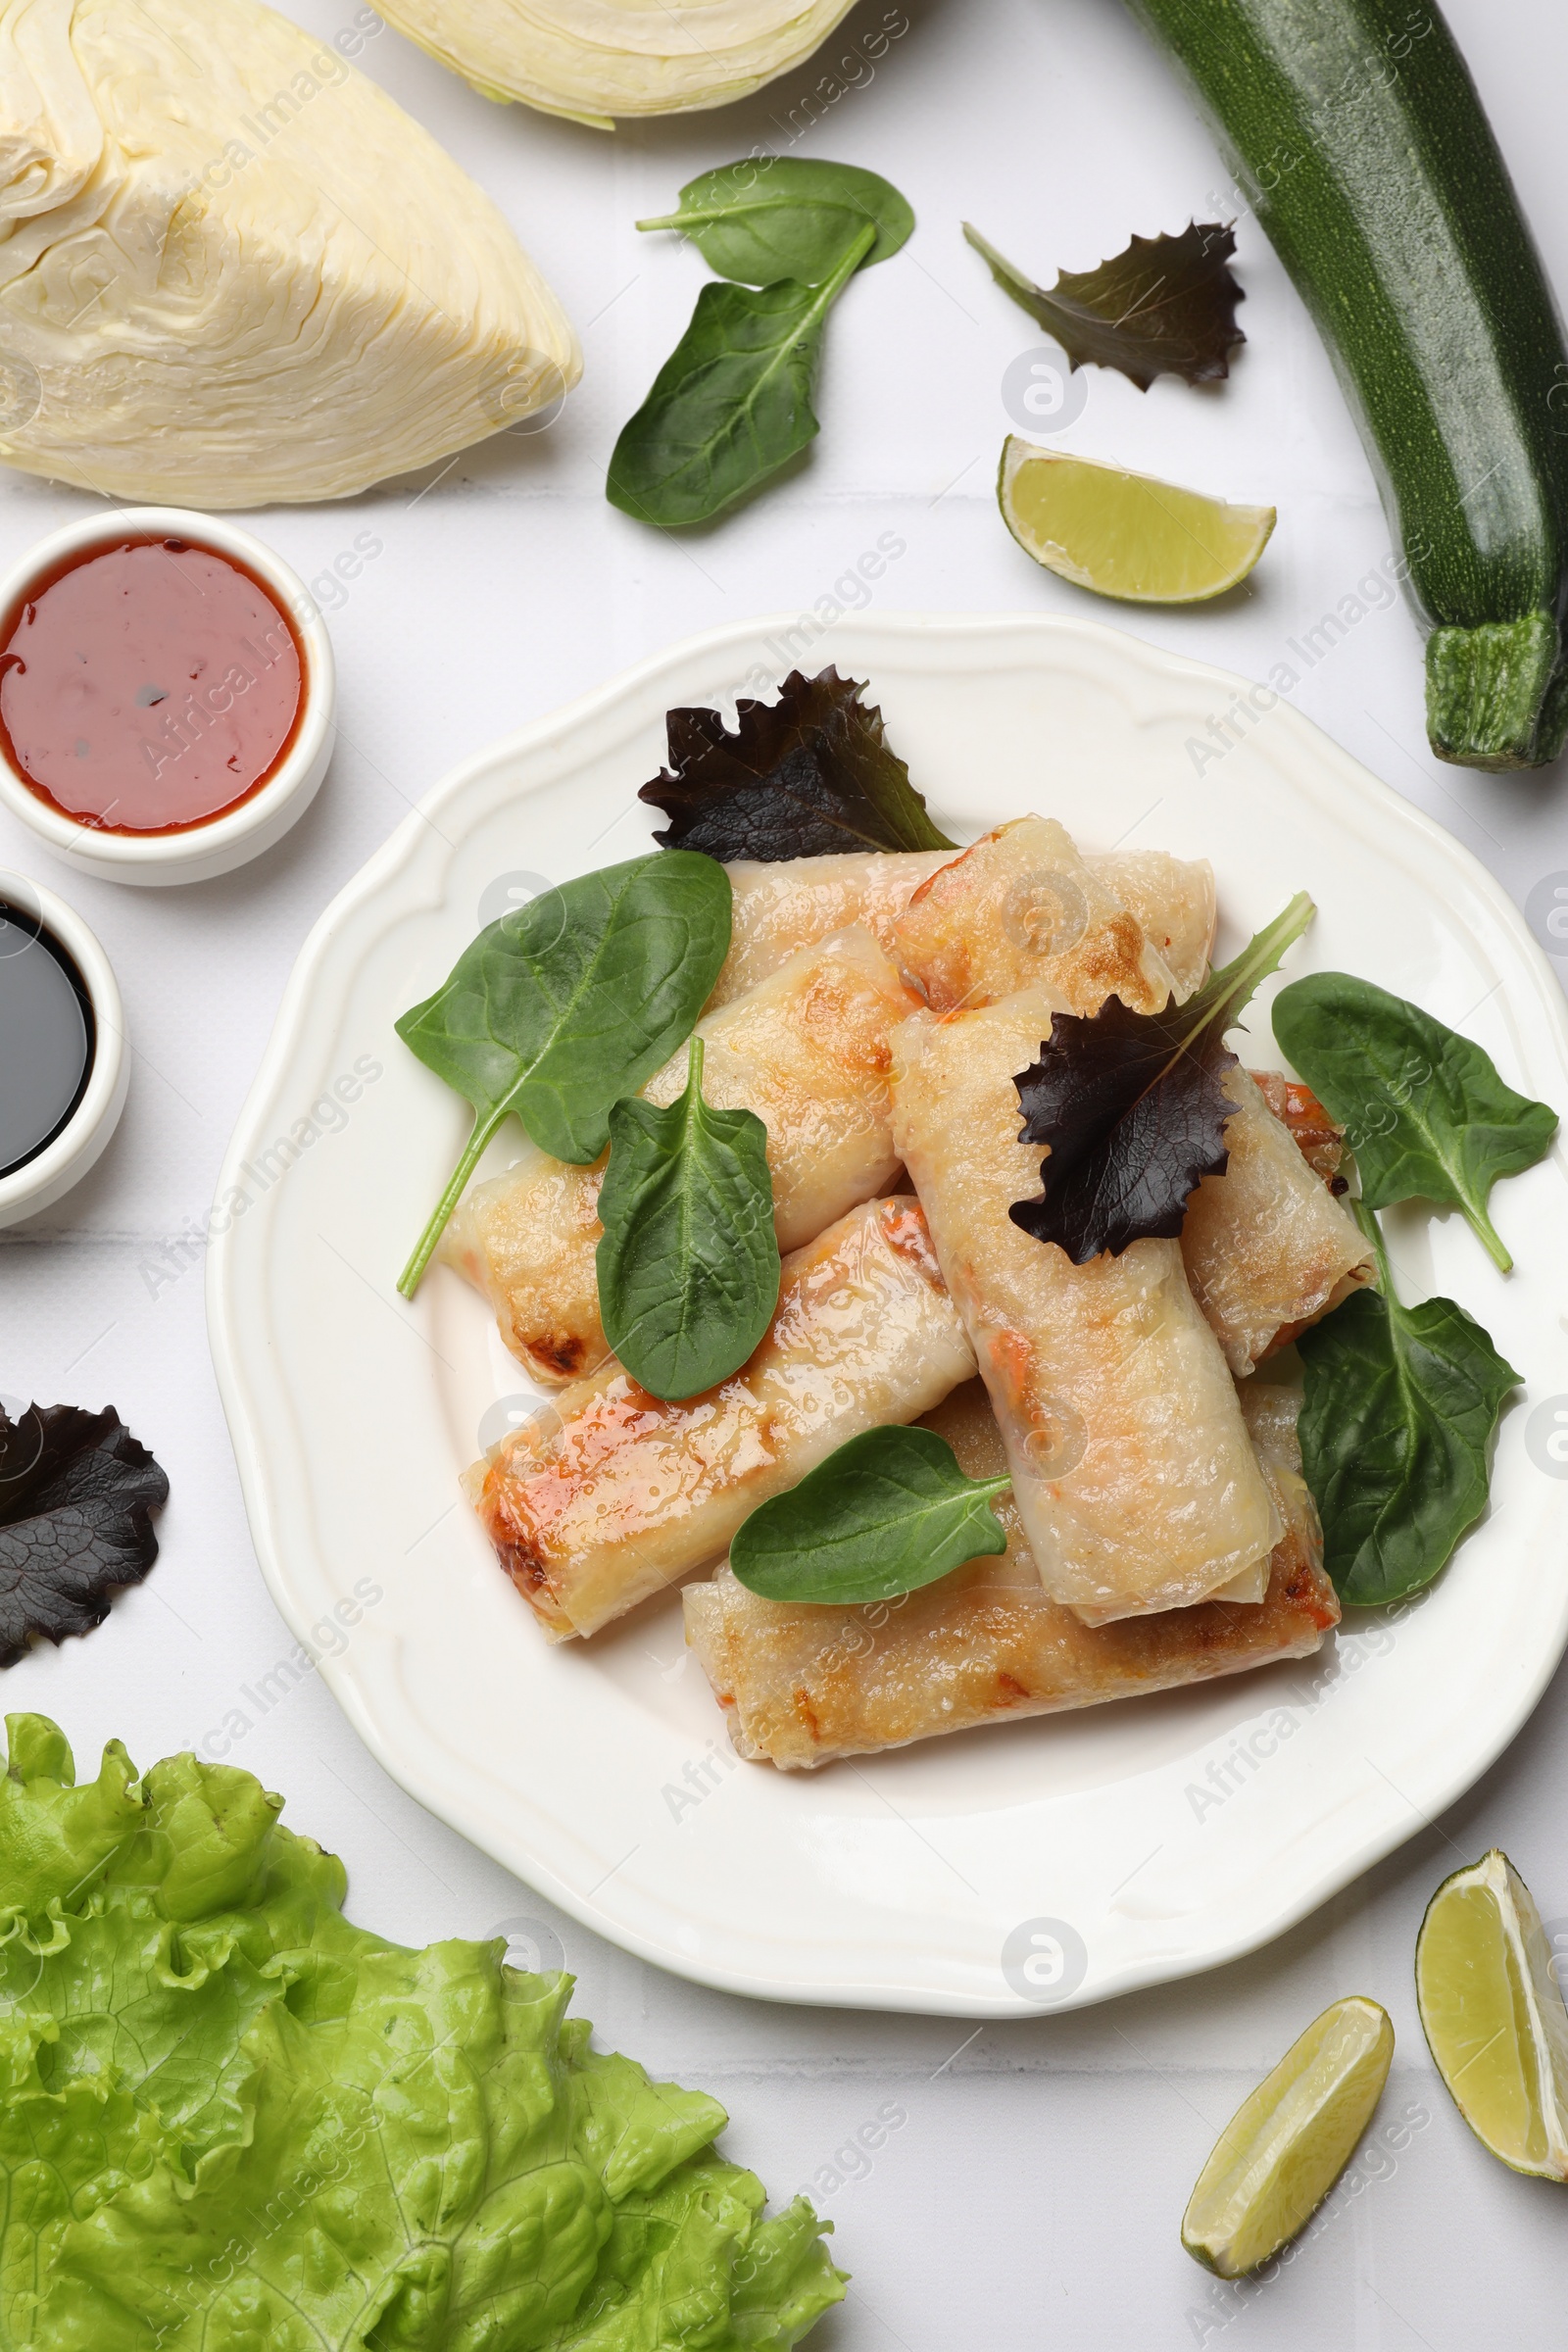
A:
232	271
595	60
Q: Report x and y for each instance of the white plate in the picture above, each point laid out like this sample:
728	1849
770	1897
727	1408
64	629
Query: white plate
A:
1042	1864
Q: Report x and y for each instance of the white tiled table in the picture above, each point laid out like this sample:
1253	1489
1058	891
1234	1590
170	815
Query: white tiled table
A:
1031	2193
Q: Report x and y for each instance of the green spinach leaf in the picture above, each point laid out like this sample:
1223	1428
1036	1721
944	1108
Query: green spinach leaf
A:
1396	1428
1423	1108
775	217
887	1513
687	1263
732	402
1163	305
811	775
567	1004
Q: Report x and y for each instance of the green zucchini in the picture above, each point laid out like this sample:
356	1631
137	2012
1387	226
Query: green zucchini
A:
1356	134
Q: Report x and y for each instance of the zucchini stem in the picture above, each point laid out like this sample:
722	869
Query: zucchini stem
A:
1497	695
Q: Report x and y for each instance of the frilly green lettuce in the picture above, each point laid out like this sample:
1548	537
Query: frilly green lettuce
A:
231	2120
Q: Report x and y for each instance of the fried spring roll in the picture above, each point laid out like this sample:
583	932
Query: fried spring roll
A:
1137	1481
803	1685
1268	1248
1023	910
806	1049
1320	1143
626	1495
1173	901
781	909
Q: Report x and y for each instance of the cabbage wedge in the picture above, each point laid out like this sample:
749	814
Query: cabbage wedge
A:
595	60
232	271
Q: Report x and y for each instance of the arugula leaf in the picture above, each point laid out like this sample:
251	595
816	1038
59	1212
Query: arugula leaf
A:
775	217
1398	1419
811	775
230	2117
1133	1106
732	402
687	1263
886	1513
1164	306
77	1497
1423	1108
566	1004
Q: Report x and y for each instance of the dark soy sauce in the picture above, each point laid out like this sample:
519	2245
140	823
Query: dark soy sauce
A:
46	1038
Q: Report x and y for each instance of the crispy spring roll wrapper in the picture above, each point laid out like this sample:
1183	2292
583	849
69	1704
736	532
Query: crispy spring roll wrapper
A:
1174	902
806	1049
781	909
1268	1248
802	1685
628	1495
1133	1470
1022	910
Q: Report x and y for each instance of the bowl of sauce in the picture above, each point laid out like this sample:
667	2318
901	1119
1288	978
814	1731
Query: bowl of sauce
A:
62	1051
167	695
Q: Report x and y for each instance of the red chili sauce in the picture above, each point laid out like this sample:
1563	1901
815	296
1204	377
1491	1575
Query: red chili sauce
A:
149	686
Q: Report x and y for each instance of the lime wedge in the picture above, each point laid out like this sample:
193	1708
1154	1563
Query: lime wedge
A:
1494	2016
1125	534
1285	2148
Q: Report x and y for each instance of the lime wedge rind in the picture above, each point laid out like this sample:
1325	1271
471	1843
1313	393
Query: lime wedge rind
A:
1122	534
1493	2015
1290	2140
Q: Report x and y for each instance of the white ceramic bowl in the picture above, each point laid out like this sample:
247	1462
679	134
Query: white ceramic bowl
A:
218	847
80	1141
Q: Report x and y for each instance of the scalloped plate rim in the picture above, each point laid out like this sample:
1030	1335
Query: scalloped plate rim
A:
739	1972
